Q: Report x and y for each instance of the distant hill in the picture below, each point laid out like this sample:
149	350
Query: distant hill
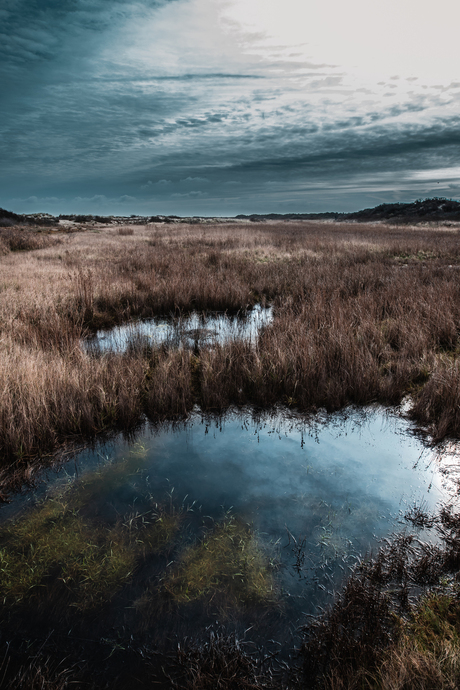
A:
257	217
9	218
437	209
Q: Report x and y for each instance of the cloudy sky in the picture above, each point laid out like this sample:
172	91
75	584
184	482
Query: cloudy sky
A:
220	107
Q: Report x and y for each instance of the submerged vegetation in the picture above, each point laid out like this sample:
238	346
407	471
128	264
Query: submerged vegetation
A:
229	562
73	552
56	537
54	543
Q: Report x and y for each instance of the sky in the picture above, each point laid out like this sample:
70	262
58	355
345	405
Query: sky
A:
221	107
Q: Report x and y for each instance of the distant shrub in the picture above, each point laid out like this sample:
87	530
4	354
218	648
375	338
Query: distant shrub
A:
124	230
17	239
6	222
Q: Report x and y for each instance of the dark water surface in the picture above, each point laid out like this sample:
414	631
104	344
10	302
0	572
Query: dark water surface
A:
244	522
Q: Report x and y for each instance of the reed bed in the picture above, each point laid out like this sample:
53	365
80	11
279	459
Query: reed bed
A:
362	313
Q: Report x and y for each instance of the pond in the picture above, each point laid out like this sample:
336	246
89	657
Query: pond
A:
245	522
194	330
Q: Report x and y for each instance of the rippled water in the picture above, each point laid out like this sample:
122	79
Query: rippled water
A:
193	330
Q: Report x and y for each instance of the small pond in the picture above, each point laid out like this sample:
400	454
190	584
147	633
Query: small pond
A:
245	522
194	330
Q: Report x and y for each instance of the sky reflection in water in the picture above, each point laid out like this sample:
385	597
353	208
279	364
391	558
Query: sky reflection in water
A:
333	486
196	329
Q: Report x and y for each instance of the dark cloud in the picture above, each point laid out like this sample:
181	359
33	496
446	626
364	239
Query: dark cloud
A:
83	128
39	29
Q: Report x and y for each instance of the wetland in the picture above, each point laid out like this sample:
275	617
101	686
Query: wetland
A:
247	521
268	422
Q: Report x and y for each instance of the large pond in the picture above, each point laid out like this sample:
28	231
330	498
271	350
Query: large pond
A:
194	330
247	522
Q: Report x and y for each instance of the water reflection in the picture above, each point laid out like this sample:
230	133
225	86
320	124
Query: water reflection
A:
246	518
195	330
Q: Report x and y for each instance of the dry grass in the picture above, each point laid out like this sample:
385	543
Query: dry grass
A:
222	663
39	673
362	313
20	239
425	655
379	634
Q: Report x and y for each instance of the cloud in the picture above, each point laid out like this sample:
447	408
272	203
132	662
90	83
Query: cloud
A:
97	198
188	195
159	183
34	31
211	76
139	102
33	200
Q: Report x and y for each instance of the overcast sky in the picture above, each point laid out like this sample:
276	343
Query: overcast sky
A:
220	107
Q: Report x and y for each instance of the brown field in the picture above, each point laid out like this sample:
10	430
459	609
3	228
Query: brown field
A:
362	313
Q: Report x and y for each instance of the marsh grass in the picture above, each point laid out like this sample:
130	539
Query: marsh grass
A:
362	313
423	652
380	633
38	673
428	651
222	663
125	231
20	239
437	406
227	563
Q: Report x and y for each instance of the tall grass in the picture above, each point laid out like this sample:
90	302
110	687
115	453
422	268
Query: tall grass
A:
17	239
362	313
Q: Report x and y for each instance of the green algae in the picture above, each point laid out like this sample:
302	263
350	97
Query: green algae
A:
227	562
92	560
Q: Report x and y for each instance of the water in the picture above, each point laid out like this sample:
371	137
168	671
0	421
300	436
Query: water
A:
194	330
245	522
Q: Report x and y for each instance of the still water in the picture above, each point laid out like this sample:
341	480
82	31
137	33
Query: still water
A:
195	329
250	520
